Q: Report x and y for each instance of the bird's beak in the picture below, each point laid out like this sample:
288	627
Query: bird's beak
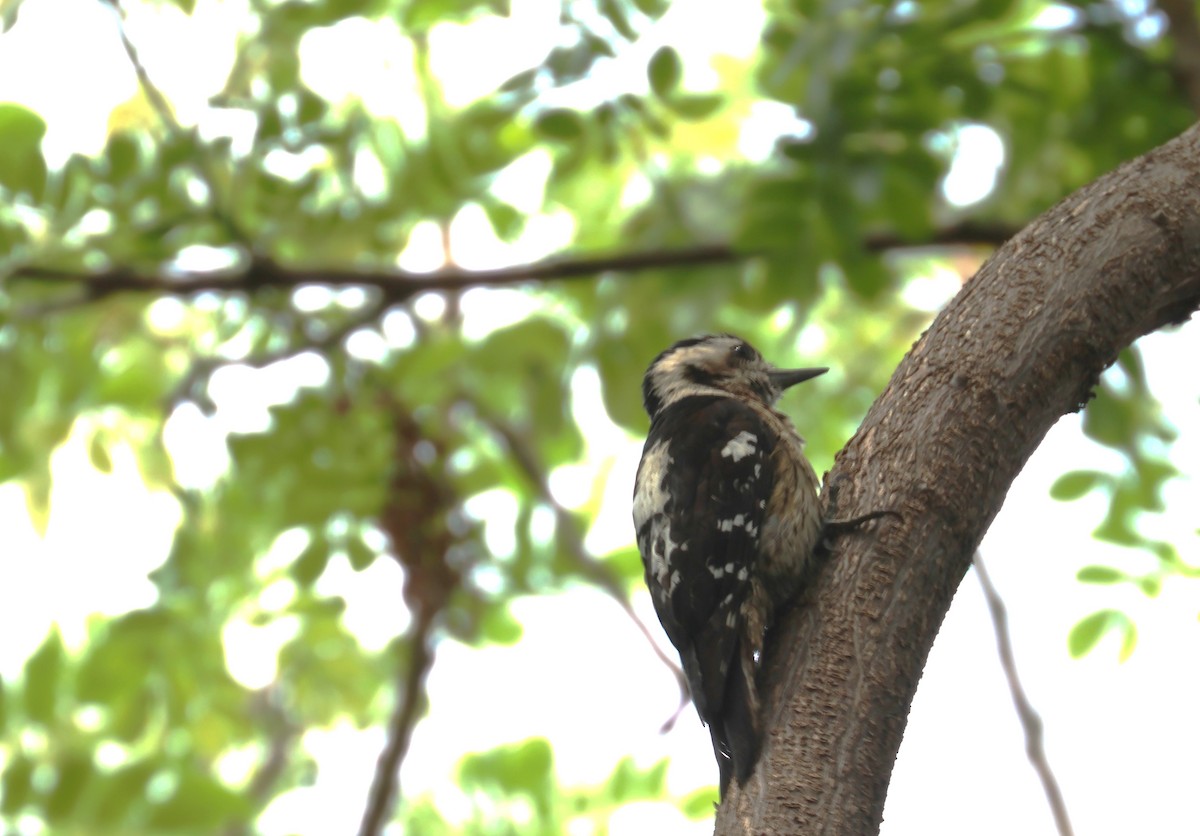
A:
783	378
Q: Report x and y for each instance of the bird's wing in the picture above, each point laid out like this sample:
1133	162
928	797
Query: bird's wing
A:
703	488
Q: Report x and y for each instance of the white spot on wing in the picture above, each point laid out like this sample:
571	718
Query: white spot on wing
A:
741	445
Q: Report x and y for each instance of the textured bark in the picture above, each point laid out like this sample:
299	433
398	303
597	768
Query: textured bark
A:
1022	344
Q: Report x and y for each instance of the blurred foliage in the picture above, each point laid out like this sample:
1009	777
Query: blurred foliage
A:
412	408
1126	418
513	790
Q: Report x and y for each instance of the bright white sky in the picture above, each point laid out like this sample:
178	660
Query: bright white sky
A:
1121	737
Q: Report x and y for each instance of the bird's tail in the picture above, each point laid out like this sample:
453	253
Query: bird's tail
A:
736	734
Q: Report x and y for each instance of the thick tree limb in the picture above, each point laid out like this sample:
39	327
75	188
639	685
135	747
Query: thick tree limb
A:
1021	345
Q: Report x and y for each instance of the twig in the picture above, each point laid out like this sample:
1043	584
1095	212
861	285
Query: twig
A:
157	100
571	539
409	689
269	714
167	116
1030	721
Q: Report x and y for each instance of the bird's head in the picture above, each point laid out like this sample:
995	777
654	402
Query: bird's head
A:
717	364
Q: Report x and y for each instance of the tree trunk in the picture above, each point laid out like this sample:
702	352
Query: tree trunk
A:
1023	343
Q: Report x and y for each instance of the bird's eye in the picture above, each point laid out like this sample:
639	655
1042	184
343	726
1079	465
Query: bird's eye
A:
741	351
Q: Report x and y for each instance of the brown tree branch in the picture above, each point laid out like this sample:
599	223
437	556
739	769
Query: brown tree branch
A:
398	285
1185	57
1031	722
410	690
1021	345
966	234
418	517
261	272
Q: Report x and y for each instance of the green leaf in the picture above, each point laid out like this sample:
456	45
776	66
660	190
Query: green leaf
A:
695	106
525	769
499	627
122	790
1075	484
652	8
98	453
199	803
361	555
22	167
505	219
1110	420
665	71
72	777
700	804
1128	640
626	563
1100	574
8	14
628	783
311	562
17	785
43	672
1116	527
1087	633
559	124
613	10
124	157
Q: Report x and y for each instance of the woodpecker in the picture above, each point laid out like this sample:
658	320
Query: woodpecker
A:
727	517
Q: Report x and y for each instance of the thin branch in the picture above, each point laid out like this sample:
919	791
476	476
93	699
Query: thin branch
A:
959	235
157	100
1030	721
398	284
385	787
1185	57
167	116
268	714
416	518
261	272
571	539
